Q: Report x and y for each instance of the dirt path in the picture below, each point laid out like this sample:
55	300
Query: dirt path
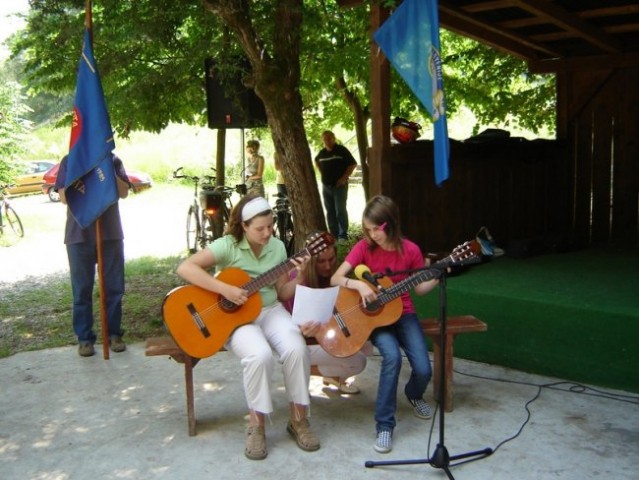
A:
154	224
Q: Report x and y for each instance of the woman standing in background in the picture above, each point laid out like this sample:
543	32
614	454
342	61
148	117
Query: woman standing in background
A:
254	169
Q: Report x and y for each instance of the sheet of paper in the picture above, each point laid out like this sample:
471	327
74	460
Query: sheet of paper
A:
314	304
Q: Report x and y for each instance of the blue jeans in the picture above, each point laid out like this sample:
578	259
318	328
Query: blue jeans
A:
407	334
336	214
83	258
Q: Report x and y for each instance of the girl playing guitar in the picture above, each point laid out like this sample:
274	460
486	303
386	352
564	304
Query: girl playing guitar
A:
249	245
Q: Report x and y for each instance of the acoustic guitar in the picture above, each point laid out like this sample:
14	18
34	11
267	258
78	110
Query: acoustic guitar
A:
352	322
200	321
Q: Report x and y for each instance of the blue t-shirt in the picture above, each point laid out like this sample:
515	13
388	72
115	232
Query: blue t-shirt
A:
111	225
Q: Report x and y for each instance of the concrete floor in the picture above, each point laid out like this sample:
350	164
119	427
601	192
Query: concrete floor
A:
63	417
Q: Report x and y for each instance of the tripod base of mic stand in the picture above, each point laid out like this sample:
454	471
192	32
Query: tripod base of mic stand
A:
440	459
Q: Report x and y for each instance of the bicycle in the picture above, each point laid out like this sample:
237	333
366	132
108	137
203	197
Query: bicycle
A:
283	228
210	211
221	218
199	220
12	217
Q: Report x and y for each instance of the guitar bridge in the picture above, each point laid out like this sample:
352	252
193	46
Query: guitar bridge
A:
340	322
198	321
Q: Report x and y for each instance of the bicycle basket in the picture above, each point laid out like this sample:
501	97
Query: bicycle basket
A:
210	201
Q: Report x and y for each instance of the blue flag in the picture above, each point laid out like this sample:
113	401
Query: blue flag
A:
410	41
90	183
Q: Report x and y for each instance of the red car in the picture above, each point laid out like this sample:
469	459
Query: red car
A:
141	181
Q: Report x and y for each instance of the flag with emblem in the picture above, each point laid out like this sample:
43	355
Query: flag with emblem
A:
410	41
90	183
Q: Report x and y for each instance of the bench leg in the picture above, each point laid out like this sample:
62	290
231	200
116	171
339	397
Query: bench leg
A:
190	401
448	370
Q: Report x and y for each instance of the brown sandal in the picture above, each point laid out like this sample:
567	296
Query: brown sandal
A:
303	435
255	442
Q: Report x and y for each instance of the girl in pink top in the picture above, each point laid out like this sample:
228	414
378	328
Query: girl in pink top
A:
382	249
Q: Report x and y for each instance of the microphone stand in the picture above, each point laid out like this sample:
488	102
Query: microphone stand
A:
440	458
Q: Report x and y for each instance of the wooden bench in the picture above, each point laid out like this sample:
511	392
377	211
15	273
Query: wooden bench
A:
454	326
167	346
430	326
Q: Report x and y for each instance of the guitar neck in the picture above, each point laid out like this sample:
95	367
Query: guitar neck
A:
399	288
270	276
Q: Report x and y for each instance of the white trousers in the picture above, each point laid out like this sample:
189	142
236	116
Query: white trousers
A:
343	368
253	344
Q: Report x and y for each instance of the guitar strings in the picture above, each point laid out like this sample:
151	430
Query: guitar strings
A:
261	280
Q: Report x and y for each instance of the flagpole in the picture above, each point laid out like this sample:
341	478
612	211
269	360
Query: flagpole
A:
88	23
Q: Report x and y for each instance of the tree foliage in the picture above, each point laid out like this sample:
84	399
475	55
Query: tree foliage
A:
14	128
308	60
151	55
496	87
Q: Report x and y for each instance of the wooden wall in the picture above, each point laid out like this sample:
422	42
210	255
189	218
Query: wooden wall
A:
584	187
602	128
517	188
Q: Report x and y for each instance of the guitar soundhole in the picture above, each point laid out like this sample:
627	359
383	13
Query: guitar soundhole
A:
373	307
228	306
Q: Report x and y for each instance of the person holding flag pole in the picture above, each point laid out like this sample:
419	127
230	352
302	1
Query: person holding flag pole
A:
90	180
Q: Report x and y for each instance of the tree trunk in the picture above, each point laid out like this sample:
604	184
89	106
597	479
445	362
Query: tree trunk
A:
361	119
275	79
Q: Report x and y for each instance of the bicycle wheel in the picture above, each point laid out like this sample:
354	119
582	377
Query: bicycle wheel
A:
192	230
206	233
285	231
219	222
14	221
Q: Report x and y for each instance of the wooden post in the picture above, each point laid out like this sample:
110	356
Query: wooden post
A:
379	154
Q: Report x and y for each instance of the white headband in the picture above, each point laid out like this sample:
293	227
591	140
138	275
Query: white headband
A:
255	206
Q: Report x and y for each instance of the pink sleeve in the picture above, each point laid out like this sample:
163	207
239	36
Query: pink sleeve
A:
356	255
413	254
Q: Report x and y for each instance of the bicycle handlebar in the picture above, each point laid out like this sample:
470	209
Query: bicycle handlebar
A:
194	178
210	179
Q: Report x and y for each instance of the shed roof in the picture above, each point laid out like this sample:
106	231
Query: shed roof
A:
549	34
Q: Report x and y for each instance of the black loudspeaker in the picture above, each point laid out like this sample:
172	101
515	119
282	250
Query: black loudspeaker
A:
232	105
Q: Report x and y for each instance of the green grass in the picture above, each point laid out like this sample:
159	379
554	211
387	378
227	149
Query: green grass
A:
36	314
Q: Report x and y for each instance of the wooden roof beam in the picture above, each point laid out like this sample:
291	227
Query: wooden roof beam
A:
594	13
609	11
459	21
565	20
595	62
489	38
487	6
547	37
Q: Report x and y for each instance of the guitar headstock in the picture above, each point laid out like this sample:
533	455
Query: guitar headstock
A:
318	242
466	253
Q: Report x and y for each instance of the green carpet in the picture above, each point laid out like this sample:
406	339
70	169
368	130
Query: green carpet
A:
572	315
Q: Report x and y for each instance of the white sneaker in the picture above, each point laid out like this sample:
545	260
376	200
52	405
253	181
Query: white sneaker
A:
421	408
384	442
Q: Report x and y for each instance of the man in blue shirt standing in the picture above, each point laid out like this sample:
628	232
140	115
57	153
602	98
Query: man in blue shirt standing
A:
83	256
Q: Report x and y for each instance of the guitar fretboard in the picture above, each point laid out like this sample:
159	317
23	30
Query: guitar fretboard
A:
404	285
273	274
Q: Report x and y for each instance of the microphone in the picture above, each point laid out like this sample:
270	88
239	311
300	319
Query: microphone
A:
363	272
